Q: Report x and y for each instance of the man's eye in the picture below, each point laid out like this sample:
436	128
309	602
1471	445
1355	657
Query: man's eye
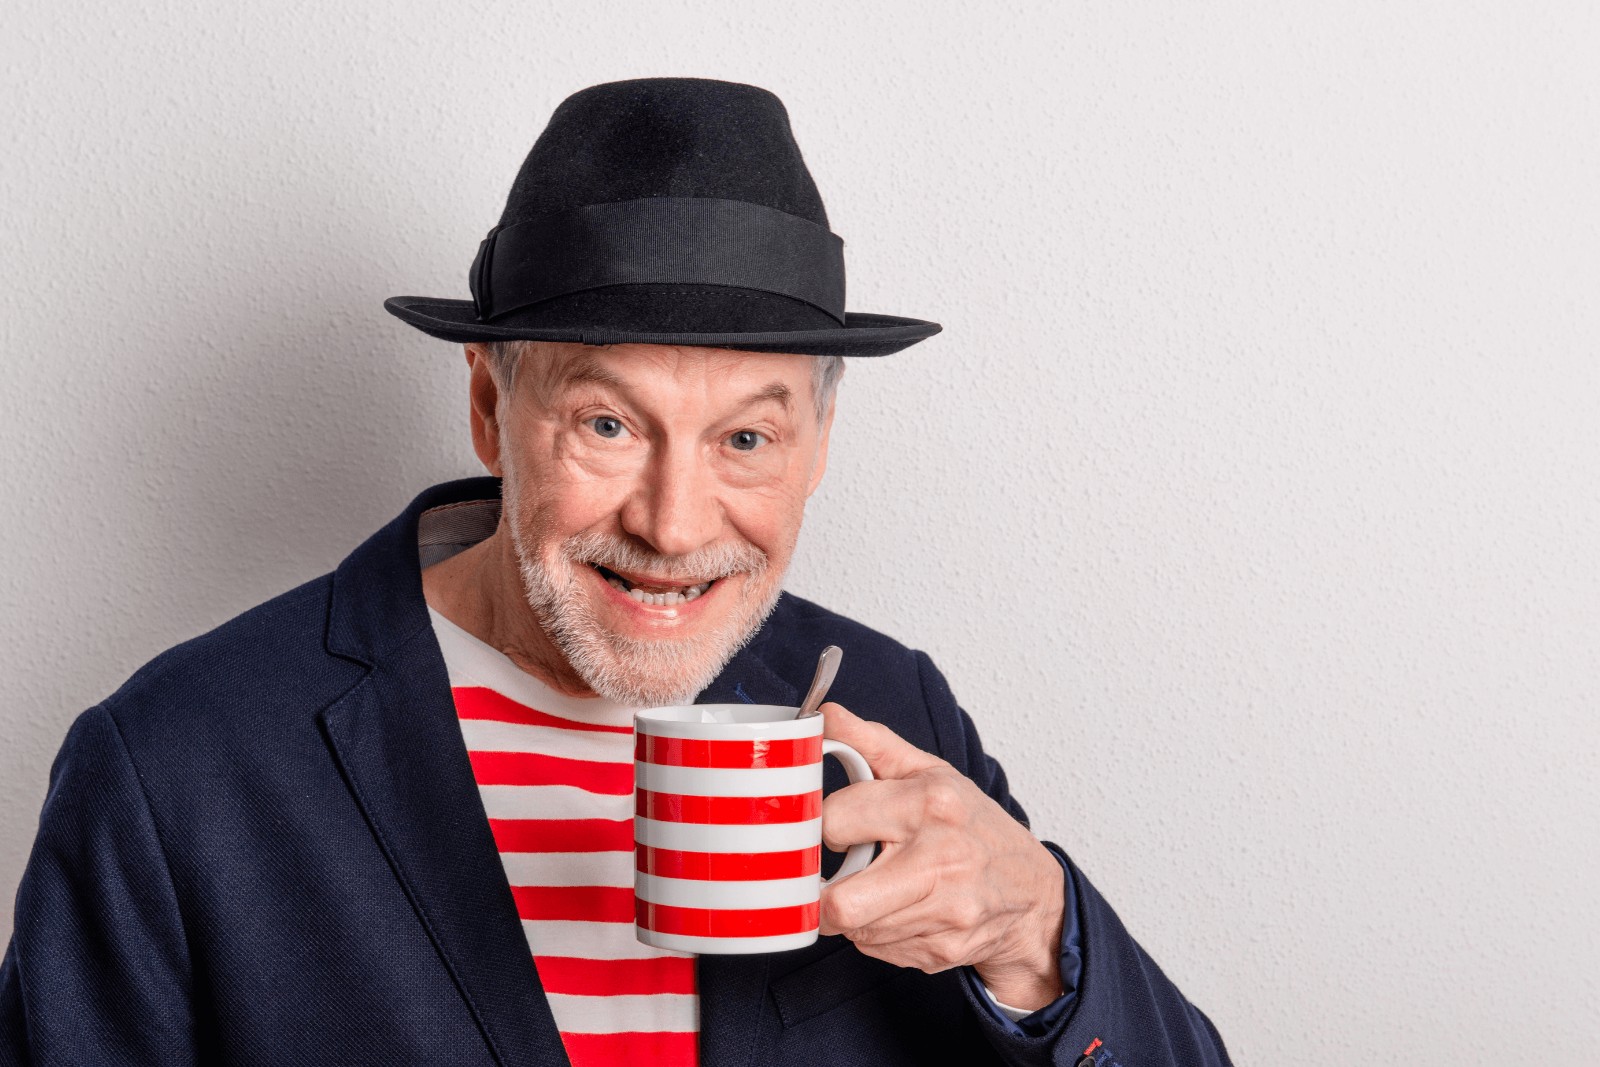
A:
747	440
606	426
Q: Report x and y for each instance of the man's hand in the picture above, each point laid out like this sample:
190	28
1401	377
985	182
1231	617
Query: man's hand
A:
959	880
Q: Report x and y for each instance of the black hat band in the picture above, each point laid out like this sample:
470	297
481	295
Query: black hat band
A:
658	240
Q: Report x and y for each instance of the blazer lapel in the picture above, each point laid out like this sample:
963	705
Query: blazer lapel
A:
733	988
397	740
398	743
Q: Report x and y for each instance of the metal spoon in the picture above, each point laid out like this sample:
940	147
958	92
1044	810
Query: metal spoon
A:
827	667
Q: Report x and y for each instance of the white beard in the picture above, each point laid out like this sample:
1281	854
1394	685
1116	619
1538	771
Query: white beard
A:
628	670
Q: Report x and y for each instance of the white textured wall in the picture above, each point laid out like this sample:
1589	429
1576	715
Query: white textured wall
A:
1250	499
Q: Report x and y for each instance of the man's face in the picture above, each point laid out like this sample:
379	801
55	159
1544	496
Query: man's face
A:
654	495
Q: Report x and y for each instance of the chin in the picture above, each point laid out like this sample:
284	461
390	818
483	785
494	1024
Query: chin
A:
644	630
636	663
644	672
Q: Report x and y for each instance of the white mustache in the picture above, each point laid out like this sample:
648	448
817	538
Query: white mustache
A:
704	564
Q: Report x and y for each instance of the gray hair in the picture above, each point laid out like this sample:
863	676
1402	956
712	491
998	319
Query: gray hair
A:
505	357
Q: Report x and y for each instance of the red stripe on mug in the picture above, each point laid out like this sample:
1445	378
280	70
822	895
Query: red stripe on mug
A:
727	866
725	922
698	752
534	768
728	811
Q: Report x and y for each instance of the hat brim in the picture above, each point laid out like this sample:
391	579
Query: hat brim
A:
862	334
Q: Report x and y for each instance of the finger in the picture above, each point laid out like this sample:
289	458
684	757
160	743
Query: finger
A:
930	952
933	916
930	934
886	752
866	904
883	810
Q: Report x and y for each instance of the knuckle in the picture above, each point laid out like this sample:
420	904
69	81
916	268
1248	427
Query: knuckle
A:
942	800
967	914
942	955
836	823
878	737
845	915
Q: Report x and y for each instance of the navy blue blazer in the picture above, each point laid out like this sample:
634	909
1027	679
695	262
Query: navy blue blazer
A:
267	847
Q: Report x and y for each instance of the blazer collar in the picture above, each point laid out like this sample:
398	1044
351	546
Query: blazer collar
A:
397	741
377	603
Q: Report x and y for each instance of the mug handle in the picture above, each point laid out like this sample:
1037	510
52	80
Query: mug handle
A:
856	769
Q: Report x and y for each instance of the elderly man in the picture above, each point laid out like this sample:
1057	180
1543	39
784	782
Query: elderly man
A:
378	819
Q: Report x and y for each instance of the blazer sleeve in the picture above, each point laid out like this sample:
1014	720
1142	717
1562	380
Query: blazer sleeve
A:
1123	1011
97	970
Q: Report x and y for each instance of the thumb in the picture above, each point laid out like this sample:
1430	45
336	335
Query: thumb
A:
886	752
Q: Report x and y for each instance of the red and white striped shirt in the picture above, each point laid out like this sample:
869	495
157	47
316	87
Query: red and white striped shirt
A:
556	777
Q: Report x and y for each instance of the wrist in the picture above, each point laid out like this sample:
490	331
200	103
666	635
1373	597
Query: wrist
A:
1027	974
1026	994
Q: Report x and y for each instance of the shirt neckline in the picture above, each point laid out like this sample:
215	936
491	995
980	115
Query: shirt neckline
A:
472	661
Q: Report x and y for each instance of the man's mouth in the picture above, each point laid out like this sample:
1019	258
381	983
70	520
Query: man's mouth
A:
648	590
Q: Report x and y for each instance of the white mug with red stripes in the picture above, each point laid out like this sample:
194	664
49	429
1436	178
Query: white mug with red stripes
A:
727	827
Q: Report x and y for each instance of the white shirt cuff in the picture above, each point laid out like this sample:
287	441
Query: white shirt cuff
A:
1014	1014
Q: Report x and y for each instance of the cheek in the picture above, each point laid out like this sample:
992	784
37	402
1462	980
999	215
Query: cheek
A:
588	461
573	488
769	516
574	506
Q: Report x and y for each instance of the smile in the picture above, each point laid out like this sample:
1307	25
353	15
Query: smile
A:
648	591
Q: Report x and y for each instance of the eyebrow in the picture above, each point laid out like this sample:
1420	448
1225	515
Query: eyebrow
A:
586	369
776	391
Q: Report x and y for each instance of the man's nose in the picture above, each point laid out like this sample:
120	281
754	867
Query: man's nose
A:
675	508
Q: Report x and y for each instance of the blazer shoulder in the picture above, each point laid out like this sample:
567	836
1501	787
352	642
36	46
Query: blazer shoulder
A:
880	677
798	623
269	660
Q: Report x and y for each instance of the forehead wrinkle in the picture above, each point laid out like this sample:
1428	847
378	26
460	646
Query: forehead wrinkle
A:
553	368
587	368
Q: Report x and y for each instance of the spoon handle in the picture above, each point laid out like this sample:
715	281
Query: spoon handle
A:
827	667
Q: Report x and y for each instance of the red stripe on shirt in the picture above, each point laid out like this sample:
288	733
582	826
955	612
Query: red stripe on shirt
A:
728	866
676	807
562	835
535	768
671	978
695	752
725	922
633	1049
600	978
476	702
583	903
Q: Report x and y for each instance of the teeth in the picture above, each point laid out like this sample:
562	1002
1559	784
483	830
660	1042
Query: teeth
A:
661	600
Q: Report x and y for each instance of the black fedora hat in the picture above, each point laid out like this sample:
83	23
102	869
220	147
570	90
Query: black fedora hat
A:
664	211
